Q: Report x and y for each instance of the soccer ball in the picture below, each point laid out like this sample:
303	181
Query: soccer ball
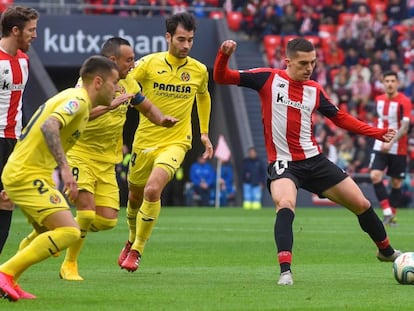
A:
403	268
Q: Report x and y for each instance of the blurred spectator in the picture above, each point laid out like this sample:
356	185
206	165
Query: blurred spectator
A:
253	178
179	6
346	152
125	9
330	13
267	22
227	188
396	11
361	157
202	176
199	8
162	8
289	21
100	6
278	61
309	22
334	56
249	11
362	21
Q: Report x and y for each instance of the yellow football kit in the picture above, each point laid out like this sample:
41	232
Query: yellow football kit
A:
173	85
93	157
27	176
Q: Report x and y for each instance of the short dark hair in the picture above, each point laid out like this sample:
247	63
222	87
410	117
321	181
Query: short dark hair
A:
185	19
390	73
16	16
111	47
96	65
298	45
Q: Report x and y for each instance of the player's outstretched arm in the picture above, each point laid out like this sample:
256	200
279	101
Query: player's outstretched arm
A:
152	113
116	102
352	124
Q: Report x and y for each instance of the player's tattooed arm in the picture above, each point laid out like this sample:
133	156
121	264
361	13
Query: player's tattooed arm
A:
50	130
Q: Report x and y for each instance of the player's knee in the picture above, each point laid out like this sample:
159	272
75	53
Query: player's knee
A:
101	223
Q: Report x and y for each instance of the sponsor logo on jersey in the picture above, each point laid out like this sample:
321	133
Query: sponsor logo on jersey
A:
55	199
172	87
71	107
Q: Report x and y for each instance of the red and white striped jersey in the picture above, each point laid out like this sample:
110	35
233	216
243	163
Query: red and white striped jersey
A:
14	72
287	108
390	113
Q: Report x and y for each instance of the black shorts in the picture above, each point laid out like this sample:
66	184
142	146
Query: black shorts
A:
396	165
6	148
316	174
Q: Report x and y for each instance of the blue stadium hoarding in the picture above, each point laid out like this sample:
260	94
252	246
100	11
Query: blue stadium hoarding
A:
67	40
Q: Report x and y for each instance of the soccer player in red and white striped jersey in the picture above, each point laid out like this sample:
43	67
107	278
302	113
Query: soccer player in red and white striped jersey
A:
289	98
18	28
393	110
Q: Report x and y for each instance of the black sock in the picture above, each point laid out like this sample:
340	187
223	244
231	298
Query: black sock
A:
395	197
283	233
5	221
380	191
372	225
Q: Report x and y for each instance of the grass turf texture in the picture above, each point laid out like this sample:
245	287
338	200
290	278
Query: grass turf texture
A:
224	259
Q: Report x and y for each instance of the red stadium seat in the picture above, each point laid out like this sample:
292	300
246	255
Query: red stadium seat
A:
315	40
344	16
234	19
327	30
377	5
270	44
216	14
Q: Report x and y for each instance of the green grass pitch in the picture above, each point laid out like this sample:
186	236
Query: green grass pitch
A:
224	259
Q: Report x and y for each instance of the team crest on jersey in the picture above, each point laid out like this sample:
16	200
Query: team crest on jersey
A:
55	199
185	76
71	107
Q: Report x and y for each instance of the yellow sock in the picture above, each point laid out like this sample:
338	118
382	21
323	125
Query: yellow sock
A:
101	223
146	219
28	239
42	247
84	218
131	214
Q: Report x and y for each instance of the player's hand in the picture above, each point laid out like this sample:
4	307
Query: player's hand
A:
386	147
70	187
228	47
208	153
389	135
168	121
117	101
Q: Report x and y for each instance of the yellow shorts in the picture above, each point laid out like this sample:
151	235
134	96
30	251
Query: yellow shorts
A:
143	161
98	178
37	197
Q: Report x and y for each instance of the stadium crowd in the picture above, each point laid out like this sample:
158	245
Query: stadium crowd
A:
356	40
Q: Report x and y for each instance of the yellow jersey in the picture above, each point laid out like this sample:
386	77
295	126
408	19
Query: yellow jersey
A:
102	139
31	154
173	85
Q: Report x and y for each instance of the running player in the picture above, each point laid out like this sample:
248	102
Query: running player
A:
27	176
173	81
95	154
